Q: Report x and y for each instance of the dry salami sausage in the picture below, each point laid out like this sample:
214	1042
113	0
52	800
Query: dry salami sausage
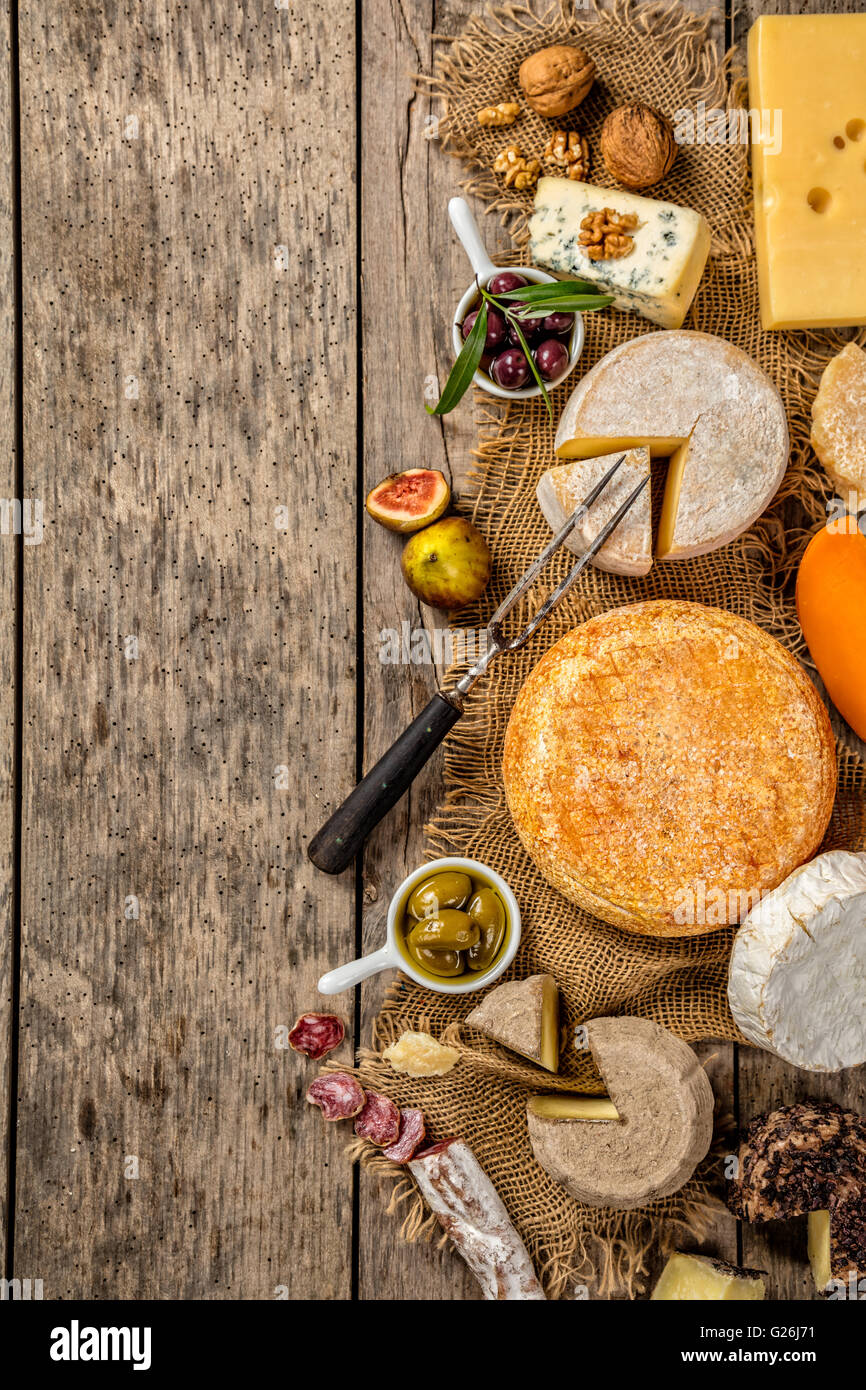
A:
459	1193
338	1095
413	1127
379	1121
317	1034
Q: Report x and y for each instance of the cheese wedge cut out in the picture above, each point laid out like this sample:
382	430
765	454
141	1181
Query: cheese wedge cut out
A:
708	406
700	1278
561	490
663	1126
797	977
523	1015
574	1107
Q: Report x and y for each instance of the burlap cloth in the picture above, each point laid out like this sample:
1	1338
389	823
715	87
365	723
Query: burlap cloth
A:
664	56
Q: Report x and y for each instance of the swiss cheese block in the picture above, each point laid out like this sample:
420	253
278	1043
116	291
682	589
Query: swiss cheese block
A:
797	981
806	78
523	1015
662	1127
562	490
839	422
665	764
699	1278
658	278
706	403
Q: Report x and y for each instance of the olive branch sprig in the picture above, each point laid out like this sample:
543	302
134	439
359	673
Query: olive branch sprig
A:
533	302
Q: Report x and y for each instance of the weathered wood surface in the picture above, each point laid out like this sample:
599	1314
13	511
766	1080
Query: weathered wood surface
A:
181	645
10	558
178	380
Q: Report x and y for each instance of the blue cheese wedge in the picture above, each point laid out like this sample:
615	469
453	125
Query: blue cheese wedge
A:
657	279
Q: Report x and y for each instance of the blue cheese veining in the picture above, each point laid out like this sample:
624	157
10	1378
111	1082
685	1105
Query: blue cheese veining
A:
657	279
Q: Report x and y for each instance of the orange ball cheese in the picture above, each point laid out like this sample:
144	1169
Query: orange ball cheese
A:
831	604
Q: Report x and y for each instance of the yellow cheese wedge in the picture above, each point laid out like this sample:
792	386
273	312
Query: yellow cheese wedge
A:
819	1248
698	1278
573	1107
808	174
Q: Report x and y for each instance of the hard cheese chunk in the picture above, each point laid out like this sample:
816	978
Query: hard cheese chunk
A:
809	176
562	490
657	279
523	1015
417	1054
819	1248
697	1278
839	422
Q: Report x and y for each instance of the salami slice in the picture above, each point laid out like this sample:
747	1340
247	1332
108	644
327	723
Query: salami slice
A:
338	1095
379	1121
413	1127
317	1034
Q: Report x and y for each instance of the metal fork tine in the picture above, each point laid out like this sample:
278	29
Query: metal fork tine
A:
562	588
529	578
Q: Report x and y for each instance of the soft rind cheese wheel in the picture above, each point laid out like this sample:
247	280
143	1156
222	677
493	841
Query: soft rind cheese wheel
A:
798	967
664	1104
667	763
831	605
705	403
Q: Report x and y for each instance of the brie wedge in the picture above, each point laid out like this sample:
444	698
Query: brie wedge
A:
797	980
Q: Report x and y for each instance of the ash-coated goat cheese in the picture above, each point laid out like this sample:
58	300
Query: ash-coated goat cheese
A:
657	279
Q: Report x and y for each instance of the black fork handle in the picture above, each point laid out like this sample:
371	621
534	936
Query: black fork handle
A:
341	837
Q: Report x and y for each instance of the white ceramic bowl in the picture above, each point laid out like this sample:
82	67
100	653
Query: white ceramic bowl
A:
467	230
390	957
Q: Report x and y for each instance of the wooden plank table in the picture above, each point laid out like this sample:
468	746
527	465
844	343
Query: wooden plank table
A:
231	272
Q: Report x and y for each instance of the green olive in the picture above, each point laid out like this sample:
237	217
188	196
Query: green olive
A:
446	963
438	891
487	912
449	930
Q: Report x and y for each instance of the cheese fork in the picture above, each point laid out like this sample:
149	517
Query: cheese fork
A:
341	837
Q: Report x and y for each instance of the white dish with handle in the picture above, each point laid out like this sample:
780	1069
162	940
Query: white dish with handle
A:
466	228
391	957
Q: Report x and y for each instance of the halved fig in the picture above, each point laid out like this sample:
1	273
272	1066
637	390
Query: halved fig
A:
407	501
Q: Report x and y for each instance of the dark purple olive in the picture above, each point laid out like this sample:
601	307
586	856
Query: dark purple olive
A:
495	328
510	369
558	323
505	281
530	328
551	358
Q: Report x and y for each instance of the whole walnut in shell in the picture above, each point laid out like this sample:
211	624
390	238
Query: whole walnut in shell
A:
638	145
556	79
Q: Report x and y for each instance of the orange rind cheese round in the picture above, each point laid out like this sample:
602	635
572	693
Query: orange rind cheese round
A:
666	764
831	604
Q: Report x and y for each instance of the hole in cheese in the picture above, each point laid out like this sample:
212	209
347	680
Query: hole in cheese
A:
818	199
574	1107
839	142
855	129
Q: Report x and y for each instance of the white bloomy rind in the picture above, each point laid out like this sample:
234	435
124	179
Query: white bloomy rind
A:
797	982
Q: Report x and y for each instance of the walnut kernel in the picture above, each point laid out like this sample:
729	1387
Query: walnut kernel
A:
519	172
569	151
604	235
505	113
